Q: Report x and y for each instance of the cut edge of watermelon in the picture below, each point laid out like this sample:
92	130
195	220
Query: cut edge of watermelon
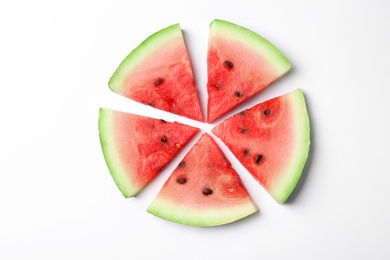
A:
119	175
194	217
288	182
149	45
253	41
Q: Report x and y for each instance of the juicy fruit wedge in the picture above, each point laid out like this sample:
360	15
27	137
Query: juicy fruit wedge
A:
272	141
136	147
204	190
240	64
159	73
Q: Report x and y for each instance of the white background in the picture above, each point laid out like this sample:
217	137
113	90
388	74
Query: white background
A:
57	198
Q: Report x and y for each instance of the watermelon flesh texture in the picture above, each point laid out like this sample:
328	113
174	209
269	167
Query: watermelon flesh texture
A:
136	148
272	141
240	64
204	189
159	73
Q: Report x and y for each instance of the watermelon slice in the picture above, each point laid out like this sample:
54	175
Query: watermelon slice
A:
272	141
204	189
136	147
159	73
240	64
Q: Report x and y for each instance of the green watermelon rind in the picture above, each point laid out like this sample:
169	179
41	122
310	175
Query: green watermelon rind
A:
142	51
165	209
111	156
254	41
291	177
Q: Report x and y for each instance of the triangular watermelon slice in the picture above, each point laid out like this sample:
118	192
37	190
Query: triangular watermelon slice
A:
272	141
136	147
204	189
240	64
159	73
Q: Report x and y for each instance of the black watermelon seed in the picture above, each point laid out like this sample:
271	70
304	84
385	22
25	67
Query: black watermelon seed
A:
217	86
246	152
162	120
207	191
267	112
151	104
243	130
181	180
238	94
181	164
242	113
259	158
228	64
159	81
164	139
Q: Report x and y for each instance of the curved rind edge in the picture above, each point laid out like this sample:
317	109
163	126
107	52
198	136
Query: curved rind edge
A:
146	47
210	217
106	137
289	181
254	40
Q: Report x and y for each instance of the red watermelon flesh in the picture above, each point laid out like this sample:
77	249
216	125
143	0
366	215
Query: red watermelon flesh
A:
159	73
136	148
272	141
240	64
204	189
